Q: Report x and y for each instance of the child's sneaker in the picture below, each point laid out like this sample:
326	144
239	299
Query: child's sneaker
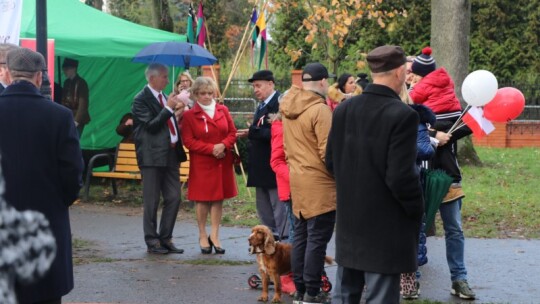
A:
454	192
413	293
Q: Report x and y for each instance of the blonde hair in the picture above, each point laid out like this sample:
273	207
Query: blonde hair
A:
202	83
178	81
404	95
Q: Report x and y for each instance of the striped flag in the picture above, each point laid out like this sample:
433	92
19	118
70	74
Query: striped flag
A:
261	26
254	17
201	28
190	23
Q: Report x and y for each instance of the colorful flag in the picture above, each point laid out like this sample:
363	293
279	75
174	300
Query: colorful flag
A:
190	23
261	25
254	36
476	121
201	28
256	31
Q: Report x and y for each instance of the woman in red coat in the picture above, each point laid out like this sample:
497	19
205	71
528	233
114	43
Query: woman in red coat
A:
209	134
278	162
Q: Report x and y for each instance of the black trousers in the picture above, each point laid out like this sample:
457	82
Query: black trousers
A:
159	181
311	238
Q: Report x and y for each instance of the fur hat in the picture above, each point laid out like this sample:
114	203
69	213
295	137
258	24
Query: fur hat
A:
423	64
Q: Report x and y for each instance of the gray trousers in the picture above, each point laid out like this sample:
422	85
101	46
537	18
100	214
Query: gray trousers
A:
381	288
271	210
159	181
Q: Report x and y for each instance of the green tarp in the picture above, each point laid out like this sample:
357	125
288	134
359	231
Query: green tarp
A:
104	46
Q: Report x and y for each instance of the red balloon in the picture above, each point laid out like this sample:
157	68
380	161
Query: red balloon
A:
507	104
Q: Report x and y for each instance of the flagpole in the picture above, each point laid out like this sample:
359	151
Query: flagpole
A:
459	118
236	57
241	52
212	66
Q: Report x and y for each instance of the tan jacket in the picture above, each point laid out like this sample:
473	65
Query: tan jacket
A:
306	124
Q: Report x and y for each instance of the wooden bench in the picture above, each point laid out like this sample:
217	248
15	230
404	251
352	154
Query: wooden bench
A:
124	166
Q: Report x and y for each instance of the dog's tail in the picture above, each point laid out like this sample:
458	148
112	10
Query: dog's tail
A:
329	260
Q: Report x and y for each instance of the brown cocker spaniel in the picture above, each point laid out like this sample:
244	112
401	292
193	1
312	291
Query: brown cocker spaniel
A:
274	259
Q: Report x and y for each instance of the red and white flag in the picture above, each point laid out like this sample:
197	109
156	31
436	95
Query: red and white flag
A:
476	121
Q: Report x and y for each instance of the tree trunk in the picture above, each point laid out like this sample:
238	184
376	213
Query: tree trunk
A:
161	16
450	37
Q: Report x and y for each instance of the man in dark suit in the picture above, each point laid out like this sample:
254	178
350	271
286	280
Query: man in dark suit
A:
42	162
270	209
159	151
5	78
372	152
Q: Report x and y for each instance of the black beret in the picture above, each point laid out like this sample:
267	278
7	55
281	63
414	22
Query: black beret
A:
262	75
25	60
70	63
386	58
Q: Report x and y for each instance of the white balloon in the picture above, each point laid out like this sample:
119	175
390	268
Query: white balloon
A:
479	88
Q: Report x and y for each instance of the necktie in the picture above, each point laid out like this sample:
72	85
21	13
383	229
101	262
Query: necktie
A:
169	122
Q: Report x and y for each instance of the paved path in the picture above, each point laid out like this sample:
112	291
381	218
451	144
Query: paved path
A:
117	269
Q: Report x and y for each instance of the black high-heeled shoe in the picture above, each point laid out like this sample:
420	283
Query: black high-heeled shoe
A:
218	250
206	250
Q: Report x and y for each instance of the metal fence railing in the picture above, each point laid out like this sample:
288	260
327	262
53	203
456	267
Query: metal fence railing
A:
531	112
241	88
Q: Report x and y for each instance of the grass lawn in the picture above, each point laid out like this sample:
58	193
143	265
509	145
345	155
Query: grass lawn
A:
502	198
501	201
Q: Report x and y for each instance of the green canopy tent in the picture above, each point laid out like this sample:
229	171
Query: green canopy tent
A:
104	46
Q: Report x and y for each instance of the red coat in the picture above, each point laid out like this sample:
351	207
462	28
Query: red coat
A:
436	91
278	162
210	179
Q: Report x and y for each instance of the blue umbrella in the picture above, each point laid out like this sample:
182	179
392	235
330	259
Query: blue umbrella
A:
174	53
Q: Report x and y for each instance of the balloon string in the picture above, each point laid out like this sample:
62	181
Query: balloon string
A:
458	121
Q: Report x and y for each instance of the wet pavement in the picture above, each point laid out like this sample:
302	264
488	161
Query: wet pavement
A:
113	266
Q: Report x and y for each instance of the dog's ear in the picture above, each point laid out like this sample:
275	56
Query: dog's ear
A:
269	243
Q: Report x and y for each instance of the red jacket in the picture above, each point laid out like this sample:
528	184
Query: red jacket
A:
210	179
278	162
436	91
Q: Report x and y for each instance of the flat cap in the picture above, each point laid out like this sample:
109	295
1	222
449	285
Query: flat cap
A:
386	58
315	71
25	60
70	63
262	75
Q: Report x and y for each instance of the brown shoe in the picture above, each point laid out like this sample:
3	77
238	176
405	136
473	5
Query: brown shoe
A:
454	193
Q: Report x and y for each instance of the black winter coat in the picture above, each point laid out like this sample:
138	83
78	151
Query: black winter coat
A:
42	164
151	132
372	152
260	174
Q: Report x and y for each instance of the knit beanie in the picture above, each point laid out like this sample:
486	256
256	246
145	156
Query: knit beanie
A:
423	64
